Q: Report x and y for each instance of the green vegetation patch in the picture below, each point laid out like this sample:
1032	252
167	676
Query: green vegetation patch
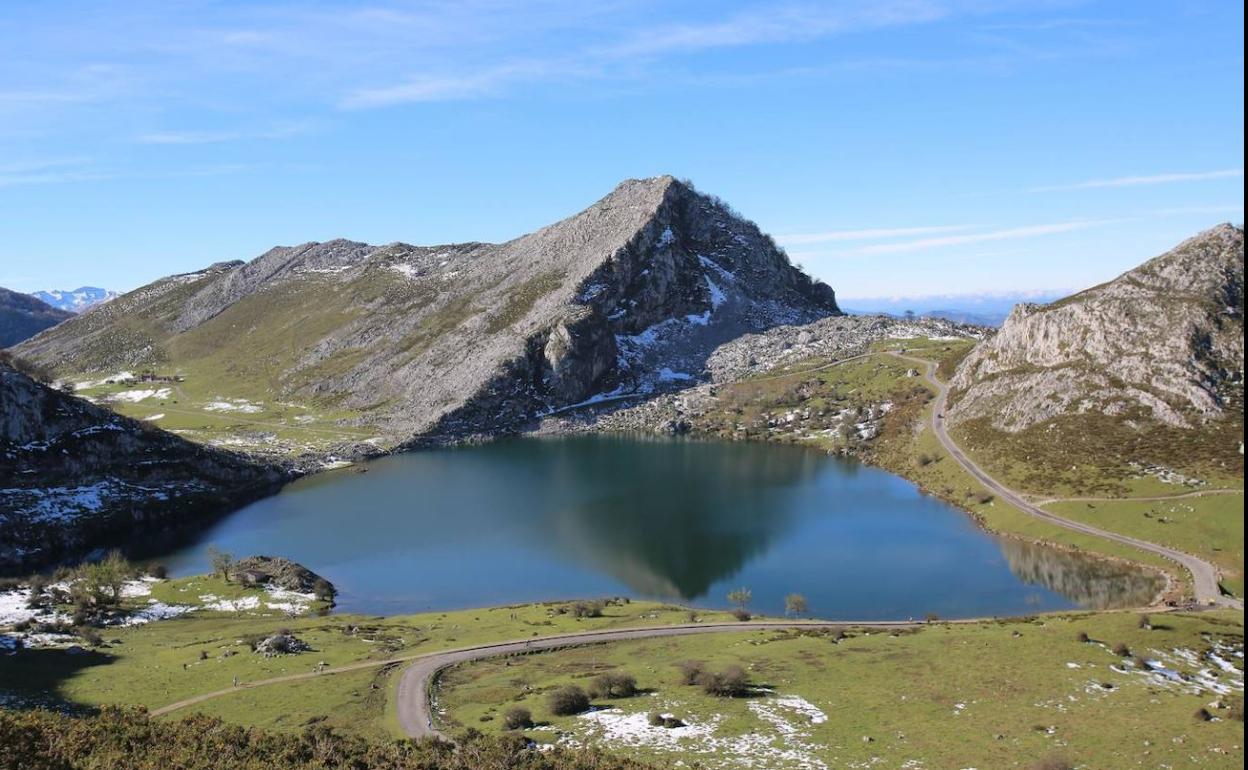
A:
1005	694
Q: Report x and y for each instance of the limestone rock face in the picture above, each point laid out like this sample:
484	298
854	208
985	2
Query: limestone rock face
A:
630	295
1164	341
76	476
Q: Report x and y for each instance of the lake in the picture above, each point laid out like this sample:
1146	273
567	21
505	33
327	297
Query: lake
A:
685	521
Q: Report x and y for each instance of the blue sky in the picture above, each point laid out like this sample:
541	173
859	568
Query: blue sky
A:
895	148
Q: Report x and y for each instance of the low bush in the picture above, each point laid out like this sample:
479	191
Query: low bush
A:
690	671
517	718
567	701
731	682
613	686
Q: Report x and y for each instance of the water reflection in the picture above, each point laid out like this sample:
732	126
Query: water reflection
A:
536	519
1089	582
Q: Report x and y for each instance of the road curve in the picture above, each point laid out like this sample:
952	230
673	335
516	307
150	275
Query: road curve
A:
414	696
1204	574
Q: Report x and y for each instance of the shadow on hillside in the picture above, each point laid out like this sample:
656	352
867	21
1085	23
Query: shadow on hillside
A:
34	678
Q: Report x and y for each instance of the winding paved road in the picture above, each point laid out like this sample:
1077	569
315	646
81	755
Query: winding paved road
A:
414	697
1204	574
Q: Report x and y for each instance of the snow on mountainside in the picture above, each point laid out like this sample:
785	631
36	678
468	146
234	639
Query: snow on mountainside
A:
78	300
74	476
630	296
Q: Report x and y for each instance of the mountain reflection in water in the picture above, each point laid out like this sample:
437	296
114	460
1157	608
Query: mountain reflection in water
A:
533	519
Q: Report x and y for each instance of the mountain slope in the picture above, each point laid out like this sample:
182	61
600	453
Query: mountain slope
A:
76	301
1136	384
1162	342
77	476
23	316
629	296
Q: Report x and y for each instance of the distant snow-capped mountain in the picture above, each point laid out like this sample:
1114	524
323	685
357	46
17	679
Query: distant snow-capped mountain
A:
77	300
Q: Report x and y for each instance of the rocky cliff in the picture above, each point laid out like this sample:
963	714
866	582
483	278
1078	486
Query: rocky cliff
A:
1163	343
23	316
629	296
75	476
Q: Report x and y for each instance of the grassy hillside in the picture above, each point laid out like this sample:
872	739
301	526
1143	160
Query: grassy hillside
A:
999	695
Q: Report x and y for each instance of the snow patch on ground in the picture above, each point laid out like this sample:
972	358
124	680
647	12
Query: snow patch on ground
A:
135	396
233	405
781	739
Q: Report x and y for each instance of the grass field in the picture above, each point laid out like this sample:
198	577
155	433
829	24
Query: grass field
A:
206	410
166	661
990	695
1211	526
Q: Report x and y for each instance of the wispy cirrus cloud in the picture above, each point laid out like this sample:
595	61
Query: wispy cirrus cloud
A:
773	25
868	234
1153	179
191	137
1005	234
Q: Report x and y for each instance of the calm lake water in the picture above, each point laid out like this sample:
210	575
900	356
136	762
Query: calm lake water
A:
686	521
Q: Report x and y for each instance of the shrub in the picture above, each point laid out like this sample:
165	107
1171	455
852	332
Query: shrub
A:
1144	622
1122	650
587	609
691	671
1236	710
741	615
323	590
1083	637
517	718
613	686
731	682
158	571
567	701
90	636
1203	715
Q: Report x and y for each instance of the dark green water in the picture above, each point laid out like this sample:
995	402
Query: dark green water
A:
532	519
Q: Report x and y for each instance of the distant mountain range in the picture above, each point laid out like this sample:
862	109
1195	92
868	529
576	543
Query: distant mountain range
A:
980	309
77	300
23	316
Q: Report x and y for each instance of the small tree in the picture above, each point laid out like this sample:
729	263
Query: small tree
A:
568	700
795	604
741	597
221	562
517	718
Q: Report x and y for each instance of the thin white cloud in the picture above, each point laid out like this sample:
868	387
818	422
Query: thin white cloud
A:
217	137
869	234
1013	233
1231	208
1154	179
444	87
791	23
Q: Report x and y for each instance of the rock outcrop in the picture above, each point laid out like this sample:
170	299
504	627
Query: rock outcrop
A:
629	296
75	476
1163	342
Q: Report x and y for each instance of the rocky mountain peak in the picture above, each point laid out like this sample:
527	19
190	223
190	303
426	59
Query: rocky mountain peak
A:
1163	341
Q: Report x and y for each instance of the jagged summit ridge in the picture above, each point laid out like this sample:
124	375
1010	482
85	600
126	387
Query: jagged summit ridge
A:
1164	339
627	296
